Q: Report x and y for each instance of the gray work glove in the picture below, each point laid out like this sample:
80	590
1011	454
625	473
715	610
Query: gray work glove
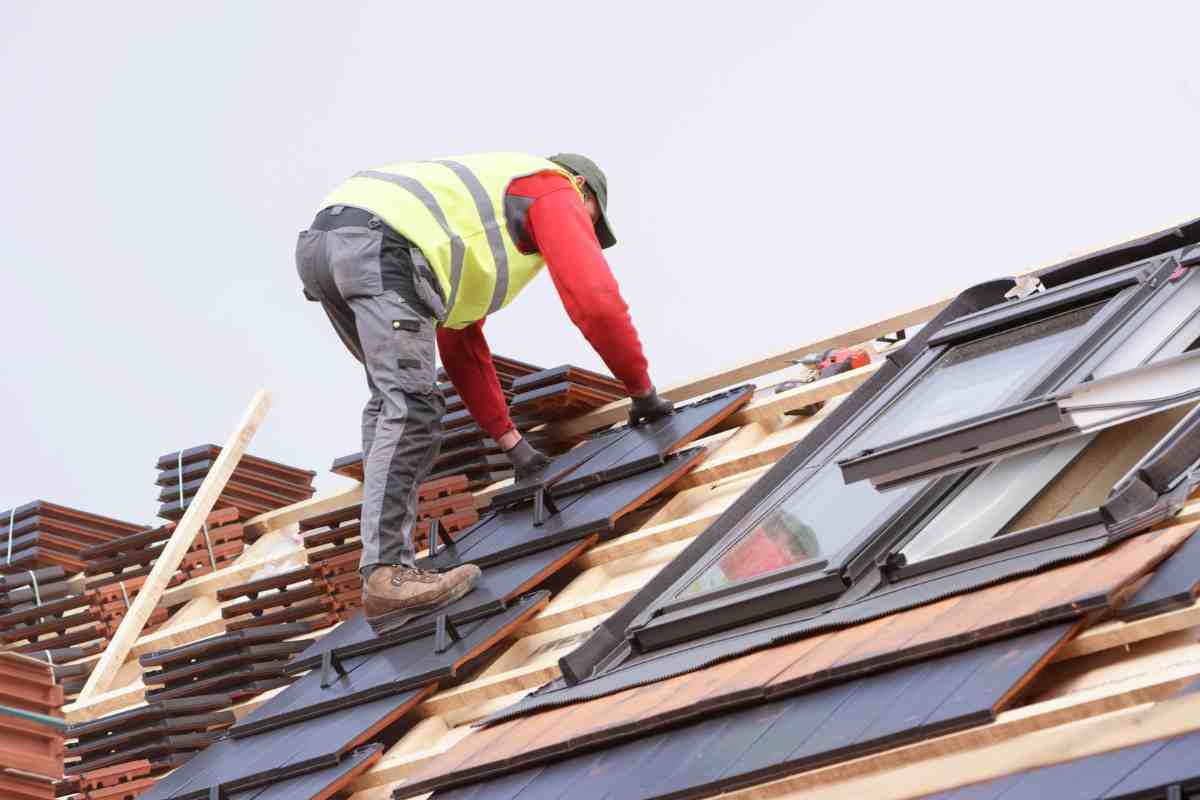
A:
649	408
526	459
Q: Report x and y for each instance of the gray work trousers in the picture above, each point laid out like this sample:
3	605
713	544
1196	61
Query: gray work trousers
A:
395	341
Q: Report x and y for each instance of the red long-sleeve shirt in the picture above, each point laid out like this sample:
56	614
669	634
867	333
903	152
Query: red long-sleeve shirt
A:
560	229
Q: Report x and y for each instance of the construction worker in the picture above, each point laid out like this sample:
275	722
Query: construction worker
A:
422	251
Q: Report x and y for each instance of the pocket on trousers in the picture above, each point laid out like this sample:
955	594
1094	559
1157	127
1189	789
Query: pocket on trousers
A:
408	347
310	259
353	255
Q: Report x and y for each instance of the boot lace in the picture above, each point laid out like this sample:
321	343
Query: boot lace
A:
409	574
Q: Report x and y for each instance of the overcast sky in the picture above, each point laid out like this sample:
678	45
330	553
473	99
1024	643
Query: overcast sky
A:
777	172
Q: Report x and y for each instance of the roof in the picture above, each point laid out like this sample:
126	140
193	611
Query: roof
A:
676	611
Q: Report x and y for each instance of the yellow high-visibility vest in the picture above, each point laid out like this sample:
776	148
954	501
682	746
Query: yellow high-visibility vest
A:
453	209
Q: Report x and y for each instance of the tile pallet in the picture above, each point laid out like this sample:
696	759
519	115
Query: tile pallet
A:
256	486
40	534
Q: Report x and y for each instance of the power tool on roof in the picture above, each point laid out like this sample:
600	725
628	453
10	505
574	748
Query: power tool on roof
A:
836	361
825	364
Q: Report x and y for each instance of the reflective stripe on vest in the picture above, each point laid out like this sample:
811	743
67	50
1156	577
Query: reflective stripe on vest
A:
454	210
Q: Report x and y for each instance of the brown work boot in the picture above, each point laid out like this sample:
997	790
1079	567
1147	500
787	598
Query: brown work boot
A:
394	595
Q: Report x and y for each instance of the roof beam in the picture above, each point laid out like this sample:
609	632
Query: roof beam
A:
172	553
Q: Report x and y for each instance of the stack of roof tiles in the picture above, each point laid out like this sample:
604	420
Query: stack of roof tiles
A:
145	741
300	594
31	739
42	610
334	547
125	561
41	534
255	487
241	664
535	396
119	782
560	392
355	688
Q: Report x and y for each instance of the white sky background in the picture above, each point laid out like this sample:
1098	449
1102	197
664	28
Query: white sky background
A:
778	172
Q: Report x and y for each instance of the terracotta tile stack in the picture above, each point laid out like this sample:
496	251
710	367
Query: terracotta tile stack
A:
296	595
334	547
31	746
120	782
562	392
161	735
43	610
240	664
256	486
218	543
41	534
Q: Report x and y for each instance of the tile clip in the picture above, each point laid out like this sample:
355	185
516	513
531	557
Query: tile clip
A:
543	502
446	634
439	538
331	663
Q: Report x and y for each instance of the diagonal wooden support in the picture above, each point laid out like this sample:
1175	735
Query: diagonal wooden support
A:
172	553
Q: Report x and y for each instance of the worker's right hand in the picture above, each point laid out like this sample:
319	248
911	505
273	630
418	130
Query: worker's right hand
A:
526	459
649	408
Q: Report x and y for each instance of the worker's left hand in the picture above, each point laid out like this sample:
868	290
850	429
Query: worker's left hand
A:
649	408
526	459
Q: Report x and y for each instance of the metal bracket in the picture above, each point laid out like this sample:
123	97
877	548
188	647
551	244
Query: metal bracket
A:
543	502
217	792
331	663
446	634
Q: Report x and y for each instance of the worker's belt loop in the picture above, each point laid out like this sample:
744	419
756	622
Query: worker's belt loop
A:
124	594
37	594
12	515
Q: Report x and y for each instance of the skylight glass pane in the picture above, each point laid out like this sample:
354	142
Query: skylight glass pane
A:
820	518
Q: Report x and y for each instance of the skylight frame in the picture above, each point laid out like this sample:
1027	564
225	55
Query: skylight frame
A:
1126	292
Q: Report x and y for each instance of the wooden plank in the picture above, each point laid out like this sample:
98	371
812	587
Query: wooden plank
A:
767	406
1110	635
175	548
288	515
619	410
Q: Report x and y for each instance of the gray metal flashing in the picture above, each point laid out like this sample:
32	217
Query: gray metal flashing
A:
1062	298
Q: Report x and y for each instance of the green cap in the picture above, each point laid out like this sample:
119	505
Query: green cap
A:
582	165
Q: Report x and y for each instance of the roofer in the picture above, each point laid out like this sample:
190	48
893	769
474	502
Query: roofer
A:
402	251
